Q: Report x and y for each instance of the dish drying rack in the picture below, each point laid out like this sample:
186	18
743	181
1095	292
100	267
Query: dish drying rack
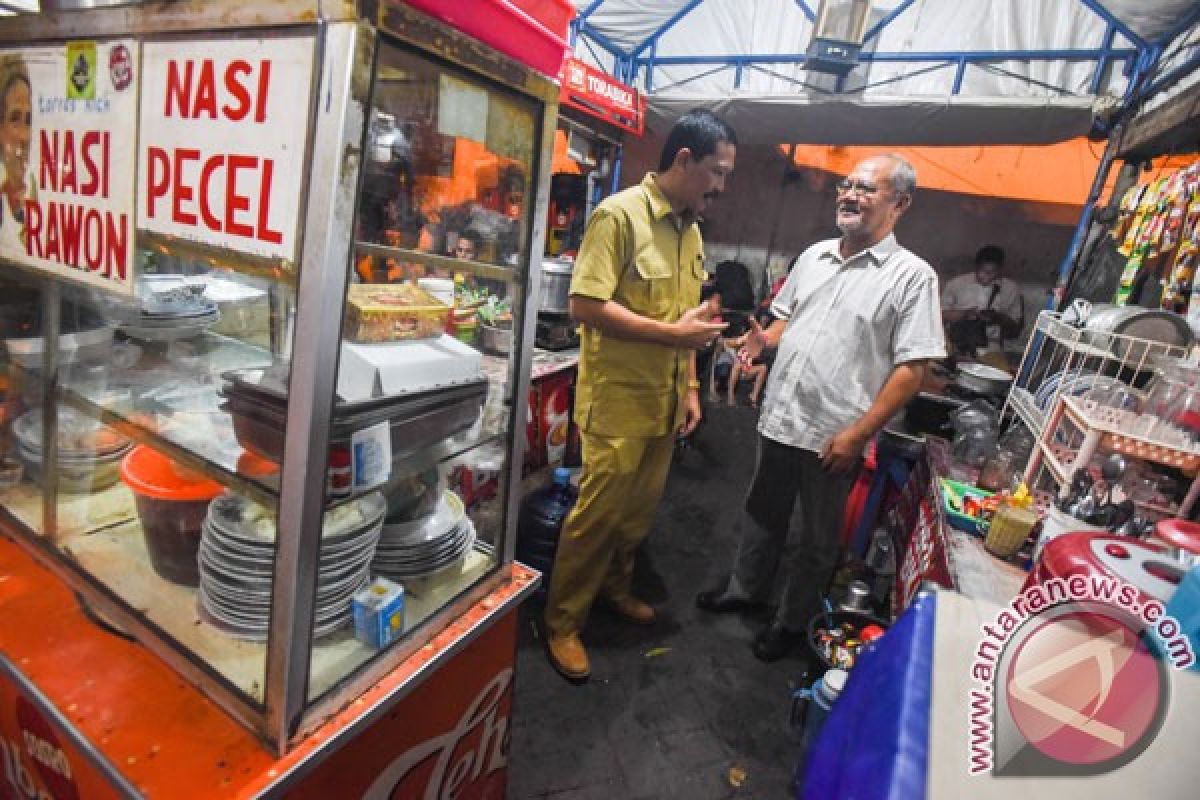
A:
1063	360
1111	429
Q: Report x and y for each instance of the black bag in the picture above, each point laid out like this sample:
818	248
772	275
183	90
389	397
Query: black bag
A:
967	335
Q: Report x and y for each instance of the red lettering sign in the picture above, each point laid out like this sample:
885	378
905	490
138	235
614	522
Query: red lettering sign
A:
593	92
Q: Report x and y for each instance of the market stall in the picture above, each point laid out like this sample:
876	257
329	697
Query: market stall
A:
259	487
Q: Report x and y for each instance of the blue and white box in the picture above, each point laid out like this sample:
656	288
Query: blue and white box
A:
379	613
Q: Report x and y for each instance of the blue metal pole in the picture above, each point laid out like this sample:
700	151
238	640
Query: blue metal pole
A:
666	26
1171	77
1145	62
1098	78
959	73
618	157
737	75
971	56
650	68
602	40
587	12
808	12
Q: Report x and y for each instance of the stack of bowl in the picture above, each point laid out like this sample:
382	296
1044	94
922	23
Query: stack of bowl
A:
89	454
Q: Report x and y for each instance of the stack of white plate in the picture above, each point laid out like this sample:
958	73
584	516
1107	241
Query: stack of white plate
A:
237	563
170	327
170	309
428	545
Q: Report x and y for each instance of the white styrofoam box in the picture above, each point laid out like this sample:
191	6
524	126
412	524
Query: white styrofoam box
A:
380	370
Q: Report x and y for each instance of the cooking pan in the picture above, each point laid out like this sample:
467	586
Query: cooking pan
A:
982	379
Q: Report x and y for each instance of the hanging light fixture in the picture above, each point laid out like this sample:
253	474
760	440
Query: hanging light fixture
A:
838	35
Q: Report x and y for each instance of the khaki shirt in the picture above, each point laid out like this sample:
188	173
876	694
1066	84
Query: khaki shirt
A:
635	252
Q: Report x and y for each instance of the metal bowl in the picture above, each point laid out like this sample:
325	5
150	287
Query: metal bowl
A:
982	379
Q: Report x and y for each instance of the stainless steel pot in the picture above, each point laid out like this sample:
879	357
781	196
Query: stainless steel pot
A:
982	379
556	286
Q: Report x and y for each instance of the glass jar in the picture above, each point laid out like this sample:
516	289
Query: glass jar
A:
974	446
998	471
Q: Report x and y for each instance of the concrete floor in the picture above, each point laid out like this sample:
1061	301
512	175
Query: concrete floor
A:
678	710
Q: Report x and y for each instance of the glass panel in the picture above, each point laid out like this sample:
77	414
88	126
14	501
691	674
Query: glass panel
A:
442	223
150	444
21	390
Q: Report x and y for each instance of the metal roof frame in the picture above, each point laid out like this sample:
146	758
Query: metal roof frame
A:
1138	61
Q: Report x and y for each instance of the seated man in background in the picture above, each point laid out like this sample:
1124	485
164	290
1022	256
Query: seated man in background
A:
983	308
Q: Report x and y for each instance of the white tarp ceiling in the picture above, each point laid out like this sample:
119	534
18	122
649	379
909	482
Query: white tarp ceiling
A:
685	52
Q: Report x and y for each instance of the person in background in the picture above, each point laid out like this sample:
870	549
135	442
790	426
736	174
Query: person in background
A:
983	308
466	246
16	132
857	322
635	291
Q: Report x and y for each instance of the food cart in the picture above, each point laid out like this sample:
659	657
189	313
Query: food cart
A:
237	554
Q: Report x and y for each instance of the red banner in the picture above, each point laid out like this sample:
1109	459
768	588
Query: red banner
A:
593	92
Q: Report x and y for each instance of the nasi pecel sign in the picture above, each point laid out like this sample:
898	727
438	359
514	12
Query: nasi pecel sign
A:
212	152
222	136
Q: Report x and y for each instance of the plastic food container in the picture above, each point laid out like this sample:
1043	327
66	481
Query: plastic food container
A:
172	503
392	313
958	501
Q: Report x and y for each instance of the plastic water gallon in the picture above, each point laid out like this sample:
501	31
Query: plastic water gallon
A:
541	520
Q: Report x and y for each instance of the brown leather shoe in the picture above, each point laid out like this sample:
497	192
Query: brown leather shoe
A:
632	609
568	657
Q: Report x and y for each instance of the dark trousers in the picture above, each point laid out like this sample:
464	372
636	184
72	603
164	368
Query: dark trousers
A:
791	528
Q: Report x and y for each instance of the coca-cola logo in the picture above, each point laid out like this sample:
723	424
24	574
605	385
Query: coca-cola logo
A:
461	757
42	748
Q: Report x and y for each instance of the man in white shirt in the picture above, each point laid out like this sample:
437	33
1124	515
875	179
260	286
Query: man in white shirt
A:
856	324
982	308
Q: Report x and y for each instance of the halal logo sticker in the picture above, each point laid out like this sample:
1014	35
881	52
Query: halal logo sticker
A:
81	70
1084	695
120	67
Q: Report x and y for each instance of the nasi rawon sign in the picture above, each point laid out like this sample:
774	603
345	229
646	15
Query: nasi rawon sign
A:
67	121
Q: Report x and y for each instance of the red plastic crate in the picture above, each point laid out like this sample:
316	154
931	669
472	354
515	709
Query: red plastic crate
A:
533	32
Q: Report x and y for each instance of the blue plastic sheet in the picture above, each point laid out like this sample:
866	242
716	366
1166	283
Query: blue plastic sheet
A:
875	742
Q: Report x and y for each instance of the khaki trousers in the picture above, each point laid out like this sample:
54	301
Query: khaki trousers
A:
623	480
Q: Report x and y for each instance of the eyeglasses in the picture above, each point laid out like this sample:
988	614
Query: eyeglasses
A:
847	186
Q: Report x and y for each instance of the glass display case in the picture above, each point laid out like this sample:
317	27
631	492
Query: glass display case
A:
247	290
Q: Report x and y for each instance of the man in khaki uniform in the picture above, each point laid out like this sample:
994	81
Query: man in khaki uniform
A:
636	292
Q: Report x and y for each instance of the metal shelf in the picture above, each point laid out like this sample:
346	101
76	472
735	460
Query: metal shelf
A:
447	263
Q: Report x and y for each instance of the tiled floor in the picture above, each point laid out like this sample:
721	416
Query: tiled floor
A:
678	710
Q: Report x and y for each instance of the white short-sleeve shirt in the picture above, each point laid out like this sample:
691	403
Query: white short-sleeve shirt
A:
850	322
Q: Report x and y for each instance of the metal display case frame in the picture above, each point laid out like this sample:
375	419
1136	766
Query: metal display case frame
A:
346	38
